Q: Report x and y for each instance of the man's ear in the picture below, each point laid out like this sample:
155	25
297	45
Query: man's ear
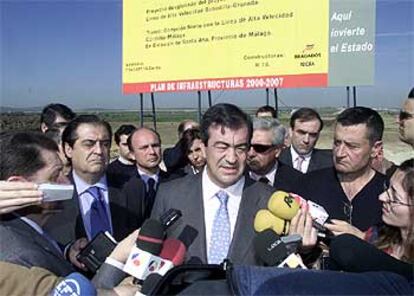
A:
17	179
68	150
278	150
43	127
377	149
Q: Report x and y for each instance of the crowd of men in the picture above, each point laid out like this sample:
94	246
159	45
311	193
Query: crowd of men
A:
219	174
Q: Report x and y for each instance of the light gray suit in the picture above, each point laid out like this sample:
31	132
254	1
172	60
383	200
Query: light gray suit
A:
185	194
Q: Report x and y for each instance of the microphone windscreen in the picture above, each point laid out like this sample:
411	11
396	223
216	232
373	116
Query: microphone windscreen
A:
353	254
151	236
174	251
283	205
269	247
264	219
74	284
188	235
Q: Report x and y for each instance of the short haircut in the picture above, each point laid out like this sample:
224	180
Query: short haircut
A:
305	114
52	111
129	141
267	109
70	134
188	138
363	115
411	94
125	129
182	125
273	125
21	153
225	115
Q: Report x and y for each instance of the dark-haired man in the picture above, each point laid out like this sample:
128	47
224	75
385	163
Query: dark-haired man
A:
220	202
96	205
406	120
55	115
305	127
349	191
123	168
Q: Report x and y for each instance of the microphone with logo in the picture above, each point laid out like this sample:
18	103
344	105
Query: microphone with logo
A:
74	284
278	251
148	245
282	207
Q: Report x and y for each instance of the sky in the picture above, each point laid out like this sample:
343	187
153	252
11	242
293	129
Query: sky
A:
71	52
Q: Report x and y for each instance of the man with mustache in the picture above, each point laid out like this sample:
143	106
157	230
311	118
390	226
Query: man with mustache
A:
96	205
219	203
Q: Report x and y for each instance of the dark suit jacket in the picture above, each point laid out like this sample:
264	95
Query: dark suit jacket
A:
185	194
320	159
287	178
119	173
22	245
67	225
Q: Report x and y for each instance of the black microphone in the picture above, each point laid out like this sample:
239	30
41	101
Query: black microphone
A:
270	248
188	236
350	253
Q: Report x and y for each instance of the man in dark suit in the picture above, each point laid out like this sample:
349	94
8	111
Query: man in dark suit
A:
262	158
145	145
123	168
220	202
96	205
305	127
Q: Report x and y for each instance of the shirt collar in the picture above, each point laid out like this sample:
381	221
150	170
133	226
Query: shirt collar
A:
82	186
145	177
210	188
295	155
125	161
270	175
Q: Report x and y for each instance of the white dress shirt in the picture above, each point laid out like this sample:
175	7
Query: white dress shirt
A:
211	203
145	177
295	159
86	199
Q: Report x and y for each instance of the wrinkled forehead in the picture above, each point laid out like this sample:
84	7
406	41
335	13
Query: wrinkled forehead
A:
235	136
351	133
92	132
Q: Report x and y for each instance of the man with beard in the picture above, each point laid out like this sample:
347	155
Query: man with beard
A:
262	158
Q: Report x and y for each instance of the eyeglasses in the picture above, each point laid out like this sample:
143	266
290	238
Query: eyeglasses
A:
405	115
394	198
259	148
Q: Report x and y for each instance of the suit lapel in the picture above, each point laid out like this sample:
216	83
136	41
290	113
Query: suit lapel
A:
243	233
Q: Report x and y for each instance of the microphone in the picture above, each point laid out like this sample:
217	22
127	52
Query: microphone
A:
74	284
274	250
282	207
350	253
172	254
143	257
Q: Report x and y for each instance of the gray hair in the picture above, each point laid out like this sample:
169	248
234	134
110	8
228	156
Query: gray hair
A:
273	125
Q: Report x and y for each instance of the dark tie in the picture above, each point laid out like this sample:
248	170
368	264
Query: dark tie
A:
99	218
150	195
264	180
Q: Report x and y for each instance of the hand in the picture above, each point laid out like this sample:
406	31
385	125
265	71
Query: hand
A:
340	227
302	224
122	250
17	195
74	250
127	287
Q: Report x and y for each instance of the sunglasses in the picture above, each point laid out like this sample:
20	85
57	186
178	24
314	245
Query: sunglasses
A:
394	198
405	115
259	148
